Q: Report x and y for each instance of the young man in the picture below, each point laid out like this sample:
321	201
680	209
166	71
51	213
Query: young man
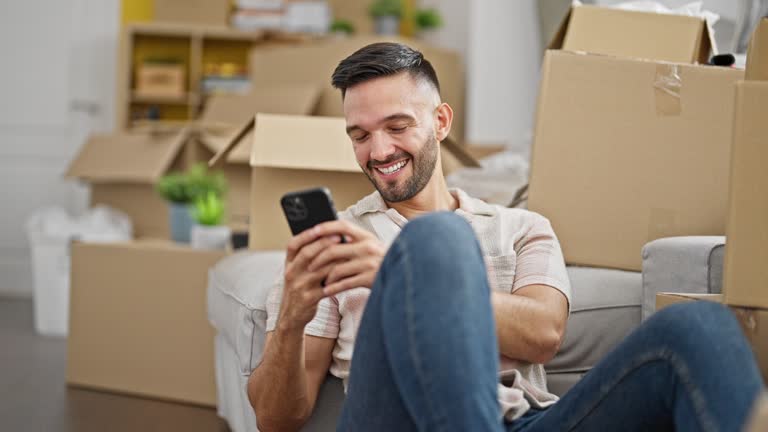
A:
463	301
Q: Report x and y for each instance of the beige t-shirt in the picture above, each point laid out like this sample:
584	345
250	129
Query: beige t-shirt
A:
519	249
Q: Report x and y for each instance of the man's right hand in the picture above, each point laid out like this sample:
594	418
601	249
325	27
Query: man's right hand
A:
303	288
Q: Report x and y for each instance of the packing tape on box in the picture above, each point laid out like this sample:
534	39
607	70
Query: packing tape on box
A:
666	87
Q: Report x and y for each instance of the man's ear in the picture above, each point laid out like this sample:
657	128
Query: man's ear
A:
443	121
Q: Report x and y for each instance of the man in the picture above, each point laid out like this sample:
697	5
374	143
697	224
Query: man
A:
463	301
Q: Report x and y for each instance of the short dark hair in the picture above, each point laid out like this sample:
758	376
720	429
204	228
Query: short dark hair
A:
382	59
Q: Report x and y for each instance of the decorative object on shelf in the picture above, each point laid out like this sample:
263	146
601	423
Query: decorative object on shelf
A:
427	20
182	189
342	28
386	15
225	78
208	232
160	78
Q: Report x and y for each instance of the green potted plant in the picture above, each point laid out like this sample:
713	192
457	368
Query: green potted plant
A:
181	189
386	15
342	28
208	231
427	21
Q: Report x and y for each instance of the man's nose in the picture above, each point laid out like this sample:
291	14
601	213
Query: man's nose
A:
381	147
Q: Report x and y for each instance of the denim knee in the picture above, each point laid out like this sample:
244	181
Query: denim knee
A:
696	320
443	231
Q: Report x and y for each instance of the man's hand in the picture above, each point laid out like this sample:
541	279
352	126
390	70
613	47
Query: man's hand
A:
303	287
352	264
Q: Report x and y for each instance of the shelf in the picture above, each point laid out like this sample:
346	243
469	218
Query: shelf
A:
186	99
187	30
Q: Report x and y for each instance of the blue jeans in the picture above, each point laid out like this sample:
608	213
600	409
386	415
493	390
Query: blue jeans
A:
426	355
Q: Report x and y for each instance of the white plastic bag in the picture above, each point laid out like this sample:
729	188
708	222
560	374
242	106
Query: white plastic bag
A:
496	181
50	231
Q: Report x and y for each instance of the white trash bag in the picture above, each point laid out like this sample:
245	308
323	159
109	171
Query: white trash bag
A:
50	232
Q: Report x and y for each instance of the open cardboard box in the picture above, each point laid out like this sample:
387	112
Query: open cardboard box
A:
123	168
627	150
288	153
138	320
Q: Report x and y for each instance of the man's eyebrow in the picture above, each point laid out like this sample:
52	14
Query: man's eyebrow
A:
396	116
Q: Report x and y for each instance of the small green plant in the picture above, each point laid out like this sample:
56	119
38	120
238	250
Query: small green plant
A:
184	188
208	209
382	8
428	19
342	26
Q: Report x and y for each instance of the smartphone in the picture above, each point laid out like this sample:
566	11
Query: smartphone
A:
307	208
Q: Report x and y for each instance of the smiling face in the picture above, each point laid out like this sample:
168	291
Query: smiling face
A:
393	122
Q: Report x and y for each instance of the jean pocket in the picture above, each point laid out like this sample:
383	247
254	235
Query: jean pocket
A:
501	271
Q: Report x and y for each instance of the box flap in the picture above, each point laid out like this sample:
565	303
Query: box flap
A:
127	157
302	142
645	35
757	54
225	115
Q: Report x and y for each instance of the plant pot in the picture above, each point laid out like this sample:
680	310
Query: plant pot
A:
387	25
180	220
210	237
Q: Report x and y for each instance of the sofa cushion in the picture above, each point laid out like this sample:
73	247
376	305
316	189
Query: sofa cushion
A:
238	286
688	264
606	307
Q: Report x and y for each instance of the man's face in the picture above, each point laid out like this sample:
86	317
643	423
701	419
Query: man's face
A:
391	122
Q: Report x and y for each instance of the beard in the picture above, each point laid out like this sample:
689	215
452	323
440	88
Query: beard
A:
423	166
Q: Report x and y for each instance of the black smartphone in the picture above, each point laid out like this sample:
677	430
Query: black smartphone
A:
307	208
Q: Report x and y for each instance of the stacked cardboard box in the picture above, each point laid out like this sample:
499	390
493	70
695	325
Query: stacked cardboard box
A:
632	139
745	279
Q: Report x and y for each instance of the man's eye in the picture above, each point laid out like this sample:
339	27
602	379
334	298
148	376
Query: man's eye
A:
359	138
399	129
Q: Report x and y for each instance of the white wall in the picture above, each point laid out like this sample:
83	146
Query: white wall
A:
503	59
58	57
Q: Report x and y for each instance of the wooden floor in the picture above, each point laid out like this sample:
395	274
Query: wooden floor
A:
34	396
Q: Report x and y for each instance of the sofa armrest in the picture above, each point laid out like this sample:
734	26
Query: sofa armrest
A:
692	264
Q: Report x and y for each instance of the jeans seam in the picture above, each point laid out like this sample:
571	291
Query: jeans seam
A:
437	416
679	368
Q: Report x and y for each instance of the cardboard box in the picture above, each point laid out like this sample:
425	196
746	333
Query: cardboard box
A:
757	55
754	322
122	170
617	32
745	278
314	63
210	12
160	80
288	153
627	151
225	115
138	322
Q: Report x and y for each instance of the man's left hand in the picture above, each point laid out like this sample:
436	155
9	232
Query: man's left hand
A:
357	261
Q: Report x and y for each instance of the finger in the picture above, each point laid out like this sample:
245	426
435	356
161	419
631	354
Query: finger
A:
337	252
346	270
345	228
311	282
344	285
310	251
297	242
